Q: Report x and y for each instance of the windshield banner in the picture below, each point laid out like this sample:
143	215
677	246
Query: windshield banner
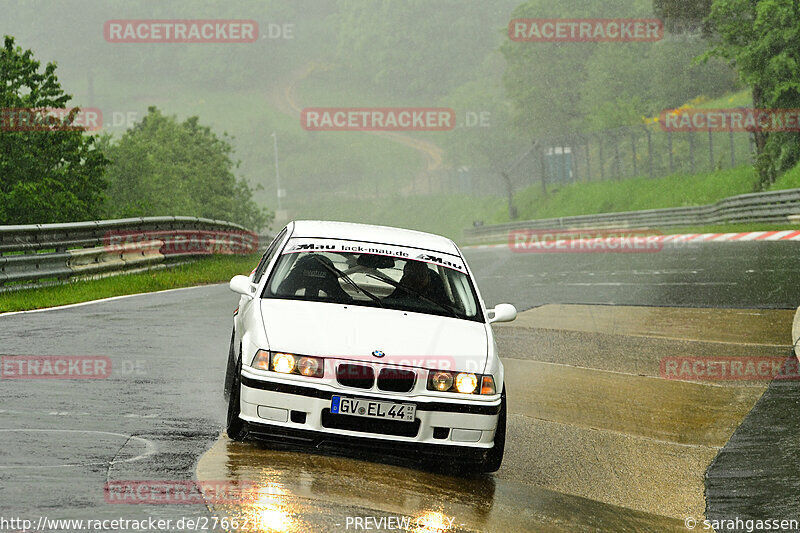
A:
354	247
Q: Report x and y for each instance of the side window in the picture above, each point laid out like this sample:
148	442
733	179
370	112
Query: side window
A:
268	255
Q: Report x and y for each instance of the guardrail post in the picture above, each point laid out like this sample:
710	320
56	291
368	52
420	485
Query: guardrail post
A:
669	146
543	171
710	151
588	161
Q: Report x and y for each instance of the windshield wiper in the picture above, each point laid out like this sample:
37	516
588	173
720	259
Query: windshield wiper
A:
395	284
339	274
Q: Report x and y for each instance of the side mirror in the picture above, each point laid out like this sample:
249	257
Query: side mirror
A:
502	313
241	285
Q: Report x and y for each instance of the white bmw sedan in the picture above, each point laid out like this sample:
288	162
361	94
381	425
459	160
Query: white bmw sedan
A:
367	336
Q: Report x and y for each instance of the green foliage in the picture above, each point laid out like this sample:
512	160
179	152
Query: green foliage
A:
788	180
53	175
682	15
163	167
761	38
633	80
558	88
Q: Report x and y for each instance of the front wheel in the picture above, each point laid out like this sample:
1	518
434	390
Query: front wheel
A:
494	457
235	426
230	367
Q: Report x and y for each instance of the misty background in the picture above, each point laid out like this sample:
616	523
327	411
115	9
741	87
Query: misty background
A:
314	53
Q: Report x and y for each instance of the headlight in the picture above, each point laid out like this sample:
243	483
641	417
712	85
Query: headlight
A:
466	383
309	366
287	363
461	382
441	381
283	363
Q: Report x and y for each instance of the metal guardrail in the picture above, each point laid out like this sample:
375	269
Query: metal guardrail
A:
770	207
30	254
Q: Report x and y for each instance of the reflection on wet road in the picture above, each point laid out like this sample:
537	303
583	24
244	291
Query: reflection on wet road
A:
296	491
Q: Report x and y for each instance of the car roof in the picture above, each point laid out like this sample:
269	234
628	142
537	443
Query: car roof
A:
375	234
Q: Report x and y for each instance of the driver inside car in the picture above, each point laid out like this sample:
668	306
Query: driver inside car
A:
418	279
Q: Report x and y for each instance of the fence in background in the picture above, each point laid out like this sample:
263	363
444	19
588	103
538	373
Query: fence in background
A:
33	254
638	151
769	207
646	151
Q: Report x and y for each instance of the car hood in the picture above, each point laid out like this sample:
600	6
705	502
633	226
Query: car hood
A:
355	332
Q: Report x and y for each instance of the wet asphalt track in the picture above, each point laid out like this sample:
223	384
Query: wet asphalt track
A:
759	275
61	441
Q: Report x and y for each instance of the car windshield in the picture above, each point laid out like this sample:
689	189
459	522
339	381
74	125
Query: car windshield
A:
423	284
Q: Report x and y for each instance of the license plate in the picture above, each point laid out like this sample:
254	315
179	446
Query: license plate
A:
371	409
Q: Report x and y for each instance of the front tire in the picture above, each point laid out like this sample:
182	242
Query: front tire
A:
235	426
230	368
494	457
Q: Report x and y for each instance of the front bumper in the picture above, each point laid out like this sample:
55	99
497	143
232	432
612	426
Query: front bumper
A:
276	409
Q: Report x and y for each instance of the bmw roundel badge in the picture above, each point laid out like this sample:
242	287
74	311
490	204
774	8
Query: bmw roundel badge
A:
378	353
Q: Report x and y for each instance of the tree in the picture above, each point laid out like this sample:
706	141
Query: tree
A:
53	174
682	15
545	80
761	39
563	87
163	167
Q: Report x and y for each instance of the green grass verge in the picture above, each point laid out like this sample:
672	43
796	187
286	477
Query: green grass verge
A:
743	98
613	196
788	180
732	228
203	271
